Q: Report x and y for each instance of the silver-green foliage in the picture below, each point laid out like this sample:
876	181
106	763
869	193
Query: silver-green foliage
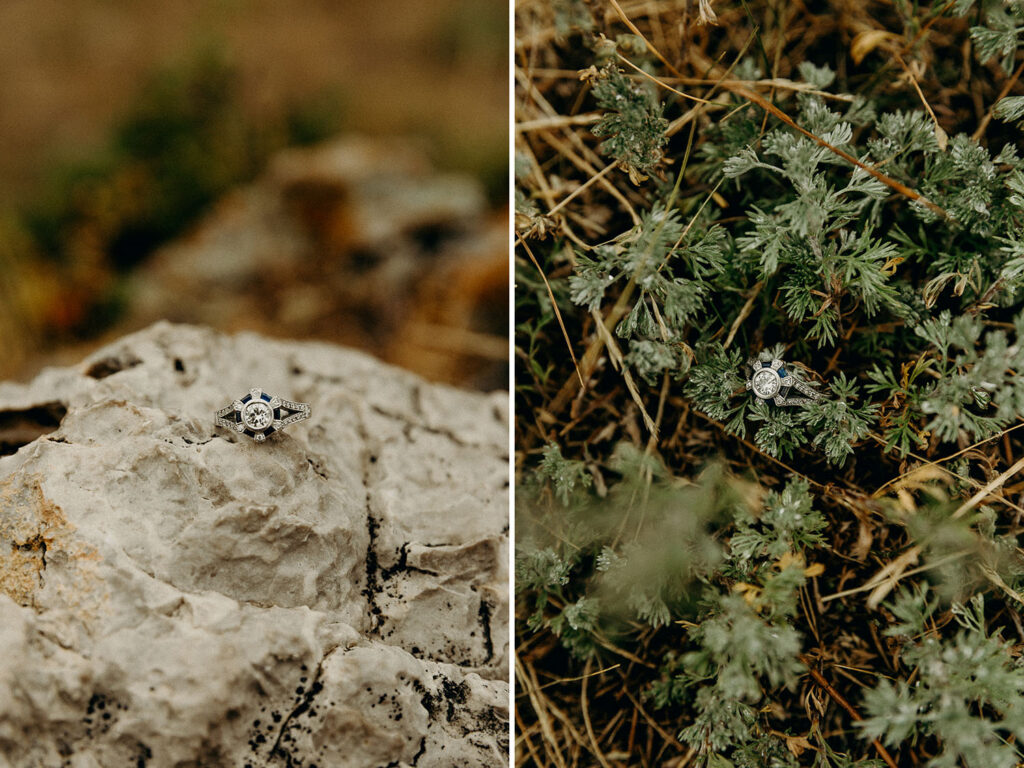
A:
977	391
968	692
1000	34
789	523
632	124
670	268
744	641
818	234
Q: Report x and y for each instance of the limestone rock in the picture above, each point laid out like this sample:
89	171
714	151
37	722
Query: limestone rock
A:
173	594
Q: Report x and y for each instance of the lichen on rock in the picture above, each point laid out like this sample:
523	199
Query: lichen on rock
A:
172	593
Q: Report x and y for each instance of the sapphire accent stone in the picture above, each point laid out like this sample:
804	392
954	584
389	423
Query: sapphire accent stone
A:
265	396
246	399
782	372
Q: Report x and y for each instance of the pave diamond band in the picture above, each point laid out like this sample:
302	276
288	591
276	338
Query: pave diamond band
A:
259	414
769	380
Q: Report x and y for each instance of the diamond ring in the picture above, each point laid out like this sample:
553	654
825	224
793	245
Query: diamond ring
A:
259	414
771	381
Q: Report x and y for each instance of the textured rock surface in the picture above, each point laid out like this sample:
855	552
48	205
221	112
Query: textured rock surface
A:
175	595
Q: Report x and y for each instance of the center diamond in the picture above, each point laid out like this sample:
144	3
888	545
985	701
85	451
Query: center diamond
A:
257	415
765	383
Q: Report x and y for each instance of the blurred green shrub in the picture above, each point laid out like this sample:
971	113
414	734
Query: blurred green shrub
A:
188	138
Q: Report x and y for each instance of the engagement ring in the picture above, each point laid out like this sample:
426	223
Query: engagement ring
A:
771	381
259	414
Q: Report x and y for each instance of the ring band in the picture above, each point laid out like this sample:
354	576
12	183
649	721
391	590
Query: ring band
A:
259	414
770	381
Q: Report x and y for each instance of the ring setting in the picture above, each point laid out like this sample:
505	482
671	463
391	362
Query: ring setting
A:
259	414
770	381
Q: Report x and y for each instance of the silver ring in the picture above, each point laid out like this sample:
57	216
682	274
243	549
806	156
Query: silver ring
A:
771	382
259	414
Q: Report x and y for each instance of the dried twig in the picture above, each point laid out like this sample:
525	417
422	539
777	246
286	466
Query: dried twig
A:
838	698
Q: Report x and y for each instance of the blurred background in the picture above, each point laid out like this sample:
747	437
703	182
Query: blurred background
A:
321	170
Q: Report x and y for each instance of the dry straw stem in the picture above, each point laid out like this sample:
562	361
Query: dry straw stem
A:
590	358
945	459
615	354
702	63
554	305
940	135
558	121
772	83
873	582
527	678
767	106
838	698
886	579
988	490
621	307
585	709
585	159
1004	91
